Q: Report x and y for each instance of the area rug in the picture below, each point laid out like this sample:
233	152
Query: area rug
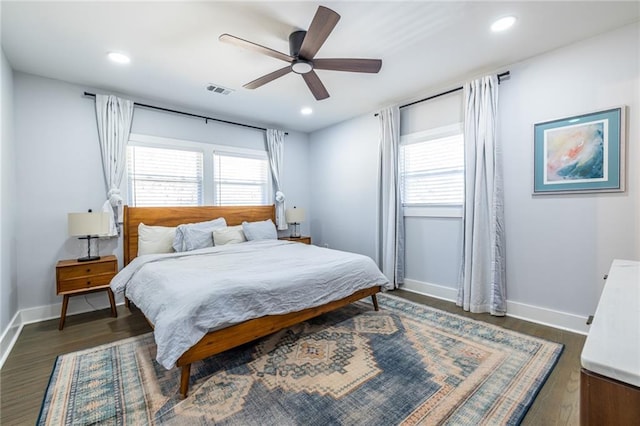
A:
406	364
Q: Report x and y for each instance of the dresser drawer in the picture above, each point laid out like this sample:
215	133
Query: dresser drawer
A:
77	271
84	283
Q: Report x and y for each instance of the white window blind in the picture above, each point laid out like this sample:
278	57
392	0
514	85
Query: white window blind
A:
240	179
164	177
432	170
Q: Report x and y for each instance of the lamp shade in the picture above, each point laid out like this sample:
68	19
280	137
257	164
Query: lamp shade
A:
294	215
88	224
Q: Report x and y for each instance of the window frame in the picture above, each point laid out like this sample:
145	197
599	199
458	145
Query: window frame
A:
207	150
432	210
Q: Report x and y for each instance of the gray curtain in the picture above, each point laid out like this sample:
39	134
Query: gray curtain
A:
114	117
390	216
275	150
483	286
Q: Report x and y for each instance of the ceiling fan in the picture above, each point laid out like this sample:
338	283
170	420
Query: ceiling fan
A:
303	46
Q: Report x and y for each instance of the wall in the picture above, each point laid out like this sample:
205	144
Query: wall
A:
343	176
344	201
8	282
433	243
558	247
60	172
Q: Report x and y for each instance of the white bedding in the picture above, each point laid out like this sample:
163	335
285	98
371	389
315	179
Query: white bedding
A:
186	295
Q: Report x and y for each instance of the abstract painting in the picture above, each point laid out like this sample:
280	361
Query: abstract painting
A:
583	153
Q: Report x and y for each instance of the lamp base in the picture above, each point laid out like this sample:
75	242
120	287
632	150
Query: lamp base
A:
295	230
88	258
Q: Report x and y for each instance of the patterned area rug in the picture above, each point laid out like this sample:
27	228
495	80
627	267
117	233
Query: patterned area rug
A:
407	364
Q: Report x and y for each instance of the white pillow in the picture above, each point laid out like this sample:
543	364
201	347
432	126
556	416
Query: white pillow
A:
228	235
264	230
193	236
155	239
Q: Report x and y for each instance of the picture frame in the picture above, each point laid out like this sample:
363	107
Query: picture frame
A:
580	154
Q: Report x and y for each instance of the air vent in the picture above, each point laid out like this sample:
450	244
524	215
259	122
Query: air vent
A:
214	88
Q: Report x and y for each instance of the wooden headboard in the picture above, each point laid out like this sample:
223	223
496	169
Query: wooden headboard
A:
174	216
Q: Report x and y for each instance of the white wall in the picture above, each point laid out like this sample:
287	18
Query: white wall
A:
343	175
60	171
558	247
8	282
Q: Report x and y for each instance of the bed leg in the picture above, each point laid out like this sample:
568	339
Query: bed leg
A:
374	299
184	380
127	303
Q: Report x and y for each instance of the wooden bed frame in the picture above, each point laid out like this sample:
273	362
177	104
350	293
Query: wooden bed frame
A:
219	341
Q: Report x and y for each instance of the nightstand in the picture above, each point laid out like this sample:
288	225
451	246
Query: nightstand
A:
303	240
75	278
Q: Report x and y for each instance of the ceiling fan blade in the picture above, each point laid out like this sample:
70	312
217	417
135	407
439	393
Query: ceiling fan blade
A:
267	78
315	85
237	41
351	65
321	26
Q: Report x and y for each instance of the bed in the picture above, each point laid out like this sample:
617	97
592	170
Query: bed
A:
218	338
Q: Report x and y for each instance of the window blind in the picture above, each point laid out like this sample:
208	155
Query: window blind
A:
240	179
432	171
164	177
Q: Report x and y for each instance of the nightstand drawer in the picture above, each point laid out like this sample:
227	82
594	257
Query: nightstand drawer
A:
303	240
90	269
84	283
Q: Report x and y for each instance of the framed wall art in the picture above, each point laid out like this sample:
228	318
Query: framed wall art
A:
583	153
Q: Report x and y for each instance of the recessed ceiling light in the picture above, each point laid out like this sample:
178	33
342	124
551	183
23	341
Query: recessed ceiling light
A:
503	24
306	111
119	57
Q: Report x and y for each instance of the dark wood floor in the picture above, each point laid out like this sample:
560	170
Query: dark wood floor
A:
25	374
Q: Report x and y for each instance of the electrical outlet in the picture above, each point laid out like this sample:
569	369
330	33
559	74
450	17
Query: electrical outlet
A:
326	245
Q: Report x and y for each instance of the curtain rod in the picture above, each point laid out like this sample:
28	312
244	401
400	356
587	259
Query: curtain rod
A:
191	115
457	89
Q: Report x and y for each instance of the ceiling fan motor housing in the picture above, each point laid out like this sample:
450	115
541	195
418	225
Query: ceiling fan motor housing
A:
298	65
295	42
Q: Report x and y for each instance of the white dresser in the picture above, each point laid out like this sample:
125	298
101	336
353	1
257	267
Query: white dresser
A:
610	376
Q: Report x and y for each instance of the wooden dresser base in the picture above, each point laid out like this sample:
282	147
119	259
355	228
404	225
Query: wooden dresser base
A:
605	401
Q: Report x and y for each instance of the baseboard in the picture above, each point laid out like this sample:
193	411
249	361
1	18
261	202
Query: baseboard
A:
557	319
47	312
9	337
41	313
543	316
432	290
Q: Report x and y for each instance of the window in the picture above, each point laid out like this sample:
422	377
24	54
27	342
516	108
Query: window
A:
240	179
165	172
164	177
432	167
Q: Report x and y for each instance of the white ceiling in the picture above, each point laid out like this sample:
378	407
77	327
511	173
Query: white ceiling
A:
424	47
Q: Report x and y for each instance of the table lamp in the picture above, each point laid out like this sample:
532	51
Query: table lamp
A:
89	225
294	216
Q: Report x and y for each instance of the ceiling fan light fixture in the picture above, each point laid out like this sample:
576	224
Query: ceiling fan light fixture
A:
300	66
